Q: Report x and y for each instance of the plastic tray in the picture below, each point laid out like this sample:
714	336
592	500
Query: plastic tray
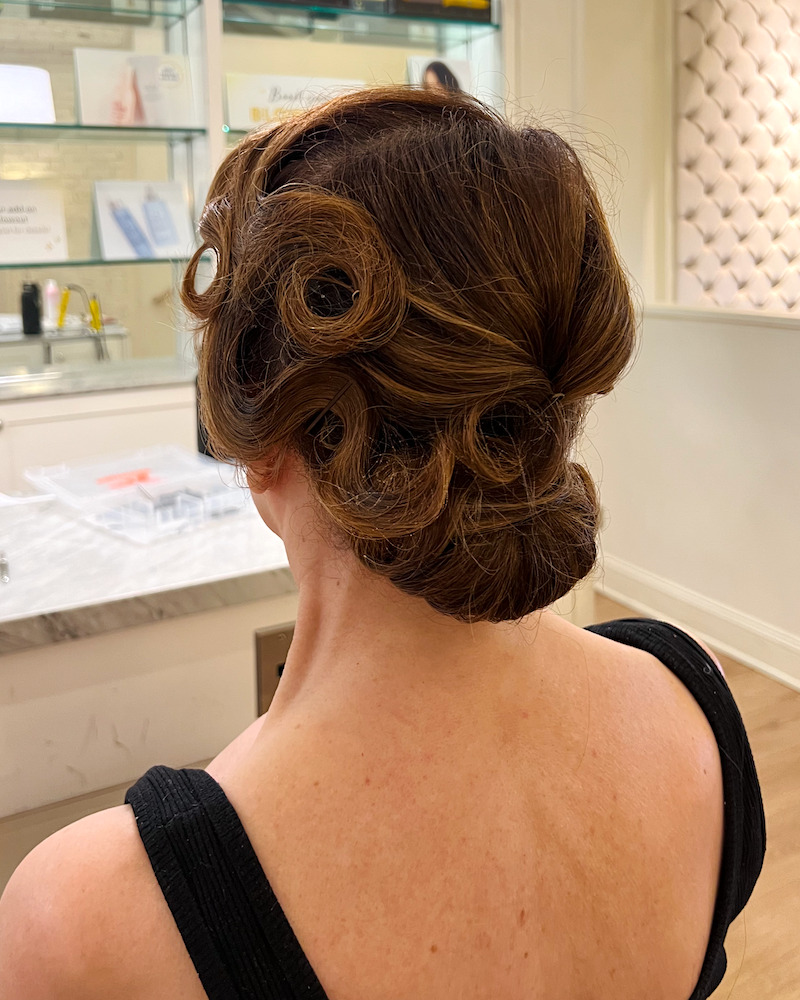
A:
147	494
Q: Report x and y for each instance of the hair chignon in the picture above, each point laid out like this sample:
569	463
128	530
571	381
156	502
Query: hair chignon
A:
421	301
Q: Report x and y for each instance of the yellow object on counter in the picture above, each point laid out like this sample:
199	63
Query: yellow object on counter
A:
62	311
96	321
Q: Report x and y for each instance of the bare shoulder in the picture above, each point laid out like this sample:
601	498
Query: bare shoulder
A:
656	710
669	753
83	917
665	772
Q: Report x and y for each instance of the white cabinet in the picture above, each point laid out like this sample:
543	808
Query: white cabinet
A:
25	353
5	457
47	431
32	352
84	351
74	352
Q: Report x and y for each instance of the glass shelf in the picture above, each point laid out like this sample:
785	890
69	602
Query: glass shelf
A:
112	11
58	131
93	262
369	25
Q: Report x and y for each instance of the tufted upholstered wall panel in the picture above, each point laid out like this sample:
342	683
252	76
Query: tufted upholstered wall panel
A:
738	153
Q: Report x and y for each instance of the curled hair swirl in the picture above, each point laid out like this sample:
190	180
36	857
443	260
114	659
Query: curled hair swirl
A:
422	302
312	239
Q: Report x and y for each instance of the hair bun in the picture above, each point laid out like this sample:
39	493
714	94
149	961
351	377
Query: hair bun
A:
336	284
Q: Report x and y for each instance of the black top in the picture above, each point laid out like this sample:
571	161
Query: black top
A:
235	930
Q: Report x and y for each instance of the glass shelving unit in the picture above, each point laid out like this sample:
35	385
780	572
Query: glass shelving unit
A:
92	262
318	18
361	43
364	44
70	156
66	131
118	12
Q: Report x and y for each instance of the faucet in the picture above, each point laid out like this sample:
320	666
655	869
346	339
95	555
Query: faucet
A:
94	322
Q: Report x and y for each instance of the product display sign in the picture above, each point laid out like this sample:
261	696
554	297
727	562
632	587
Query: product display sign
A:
142	219
26	95
254	99
32	227
119	88
442	74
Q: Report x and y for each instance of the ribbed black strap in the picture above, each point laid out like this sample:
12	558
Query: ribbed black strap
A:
745	830
233	927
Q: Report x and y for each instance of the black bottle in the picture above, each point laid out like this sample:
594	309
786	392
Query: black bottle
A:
31	310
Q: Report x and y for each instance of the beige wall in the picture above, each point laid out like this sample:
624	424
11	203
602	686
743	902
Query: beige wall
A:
697	448
696	451
540	39
626	112
698	459
600	72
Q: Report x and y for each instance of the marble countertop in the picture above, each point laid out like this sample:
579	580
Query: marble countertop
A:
51	380
67	579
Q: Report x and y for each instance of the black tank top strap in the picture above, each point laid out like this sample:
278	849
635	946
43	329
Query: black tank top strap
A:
234	929
745	830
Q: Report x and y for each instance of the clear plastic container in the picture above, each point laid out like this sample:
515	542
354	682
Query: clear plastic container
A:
145	495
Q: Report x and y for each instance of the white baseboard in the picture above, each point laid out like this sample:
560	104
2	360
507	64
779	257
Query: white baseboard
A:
756	643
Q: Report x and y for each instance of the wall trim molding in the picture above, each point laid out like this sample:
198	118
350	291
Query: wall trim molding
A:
756	643
756	319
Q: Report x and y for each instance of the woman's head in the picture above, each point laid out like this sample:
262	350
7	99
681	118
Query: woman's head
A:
439	75
419	301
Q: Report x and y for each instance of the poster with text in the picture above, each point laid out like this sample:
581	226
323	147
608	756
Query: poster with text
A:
148	220
253	99
32	227
119	88
442	74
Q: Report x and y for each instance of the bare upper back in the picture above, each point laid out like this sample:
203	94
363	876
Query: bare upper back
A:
567	831
559	837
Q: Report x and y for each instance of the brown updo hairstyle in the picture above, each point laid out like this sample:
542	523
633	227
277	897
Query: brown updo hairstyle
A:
421	301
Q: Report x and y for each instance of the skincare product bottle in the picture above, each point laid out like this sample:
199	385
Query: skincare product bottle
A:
131	229
52	299
163	89
31	307
126	101
159	220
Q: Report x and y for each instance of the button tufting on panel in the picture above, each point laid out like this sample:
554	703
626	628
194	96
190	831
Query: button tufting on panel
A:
738	146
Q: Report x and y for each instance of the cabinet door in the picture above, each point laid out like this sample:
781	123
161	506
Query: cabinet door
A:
28	353
79	352
75	352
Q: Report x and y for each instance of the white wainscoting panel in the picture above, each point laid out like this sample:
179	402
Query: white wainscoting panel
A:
749	640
